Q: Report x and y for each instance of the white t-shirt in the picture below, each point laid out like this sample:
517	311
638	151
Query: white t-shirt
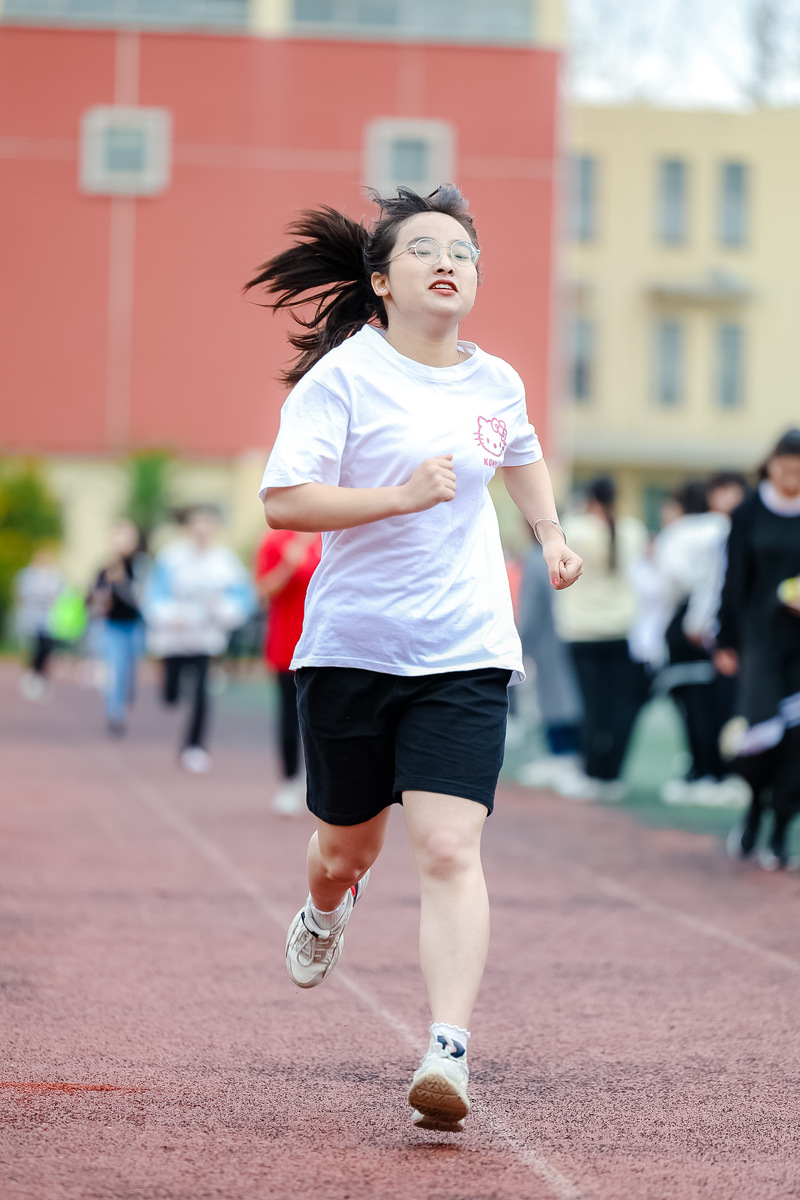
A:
425	592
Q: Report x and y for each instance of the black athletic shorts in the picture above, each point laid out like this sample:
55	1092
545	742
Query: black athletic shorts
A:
368	737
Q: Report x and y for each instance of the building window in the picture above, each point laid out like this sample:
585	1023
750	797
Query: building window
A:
582	198
450	20
314	10
672	200
141	12
733	204
730	364
669	354
581	358
410	160
419	154
125	151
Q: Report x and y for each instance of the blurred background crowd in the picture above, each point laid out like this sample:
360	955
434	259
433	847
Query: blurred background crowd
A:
635	188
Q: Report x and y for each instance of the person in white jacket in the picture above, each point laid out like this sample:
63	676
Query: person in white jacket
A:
197	593
690	558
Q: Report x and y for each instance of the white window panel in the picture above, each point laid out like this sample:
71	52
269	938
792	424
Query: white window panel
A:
125	151
419	154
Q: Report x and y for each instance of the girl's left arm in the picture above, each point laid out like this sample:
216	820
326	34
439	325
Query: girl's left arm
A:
530	488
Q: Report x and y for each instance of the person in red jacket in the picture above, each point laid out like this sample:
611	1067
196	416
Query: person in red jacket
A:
285	562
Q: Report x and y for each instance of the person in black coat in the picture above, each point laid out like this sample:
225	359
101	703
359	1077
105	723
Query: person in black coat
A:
759	639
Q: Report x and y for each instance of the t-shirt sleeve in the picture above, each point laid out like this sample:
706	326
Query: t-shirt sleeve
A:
311	438
523	445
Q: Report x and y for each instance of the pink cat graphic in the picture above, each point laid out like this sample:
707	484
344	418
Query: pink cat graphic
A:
491	435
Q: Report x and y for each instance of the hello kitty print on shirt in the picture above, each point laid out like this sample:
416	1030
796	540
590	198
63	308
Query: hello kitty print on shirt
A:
491	436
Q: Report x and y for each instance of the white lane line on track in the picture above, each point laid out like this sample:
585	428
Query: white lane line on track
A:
621	891
668	912
149	796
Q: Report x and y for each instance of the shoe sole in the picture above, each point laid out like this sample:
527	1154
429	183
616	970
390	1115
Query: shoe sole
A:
422	1121
437	1099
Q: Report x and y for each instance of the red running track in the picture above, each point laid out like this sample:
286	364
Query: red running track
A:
636	1037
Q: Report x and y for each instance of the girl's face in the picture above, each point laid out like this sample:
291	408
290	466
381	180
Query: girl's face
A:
124	538
784	474
438	294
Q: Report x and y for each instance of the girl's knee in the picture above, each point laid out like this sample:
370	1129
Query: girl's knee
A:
447	852
345	867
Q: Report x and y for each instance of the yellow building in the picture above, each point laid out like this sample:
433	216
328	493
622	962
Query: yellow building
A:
682	276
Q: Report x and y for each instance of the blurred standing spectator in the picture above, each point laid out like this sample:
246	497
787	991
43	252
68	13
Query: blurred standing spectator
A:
689	556
560	704
196	594
37	587
114	599
759	637
596	621
284	563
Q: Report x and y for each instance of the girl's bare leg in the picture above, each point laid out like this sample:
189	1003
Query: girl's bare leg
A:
338	855
445	834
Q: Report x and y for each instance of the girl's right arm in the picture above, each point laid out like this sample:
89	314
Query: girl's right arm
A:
322	507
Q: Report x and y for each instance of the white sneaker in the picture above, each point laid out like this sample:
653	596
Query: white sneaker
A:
312	952
586	788
290	799
438	1091
32	686
196	760
675	791
551	771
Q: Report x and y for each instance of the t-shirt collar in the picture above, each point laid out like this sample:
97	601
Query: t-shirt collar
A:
376	338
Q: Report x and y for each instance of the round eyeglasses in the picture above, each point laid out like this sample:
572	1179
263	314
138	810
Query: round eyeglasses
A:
428	250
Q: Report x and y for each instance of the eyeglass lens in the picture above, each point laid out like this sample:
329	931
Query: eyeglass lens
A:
428	250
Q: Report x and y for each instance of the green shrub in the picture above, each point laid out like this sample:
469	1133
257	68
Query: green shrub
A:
30	517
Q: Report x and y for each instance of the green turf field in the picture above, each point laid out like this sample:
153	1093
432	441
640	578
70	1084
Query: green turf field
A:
657	753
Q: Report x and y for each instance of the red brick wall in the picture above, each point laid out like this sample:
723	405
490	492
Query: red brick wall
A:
261	129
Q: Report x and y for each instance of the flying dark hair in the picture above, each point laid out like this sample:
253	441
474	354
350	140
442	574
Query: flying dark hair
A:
330	266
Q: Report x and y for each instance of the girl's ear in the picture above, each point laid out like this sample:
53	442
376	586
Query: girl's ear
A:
380	284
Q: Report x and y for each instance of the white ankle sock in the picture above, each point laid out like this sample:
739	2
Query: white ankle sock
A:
327	920
455	1037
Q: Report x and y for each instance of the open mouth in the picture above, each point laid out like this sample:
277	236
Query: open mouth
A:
443	285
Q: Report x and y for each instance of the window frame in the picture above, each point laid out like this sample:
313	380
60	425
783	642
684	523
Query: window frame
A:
667	236
741	220
96	178
723	372
582	358
379	137
678	369
581	199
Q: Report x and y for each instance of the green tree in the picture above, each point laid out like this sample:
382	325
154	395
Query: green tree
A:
30	517
148	495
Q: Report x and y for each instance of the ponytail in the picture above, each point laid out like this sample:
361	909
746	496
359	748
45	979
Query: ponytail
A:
326	269
603	492
331	265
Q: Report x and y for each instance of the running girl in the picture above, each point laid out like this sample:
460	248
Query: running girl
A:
387	442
